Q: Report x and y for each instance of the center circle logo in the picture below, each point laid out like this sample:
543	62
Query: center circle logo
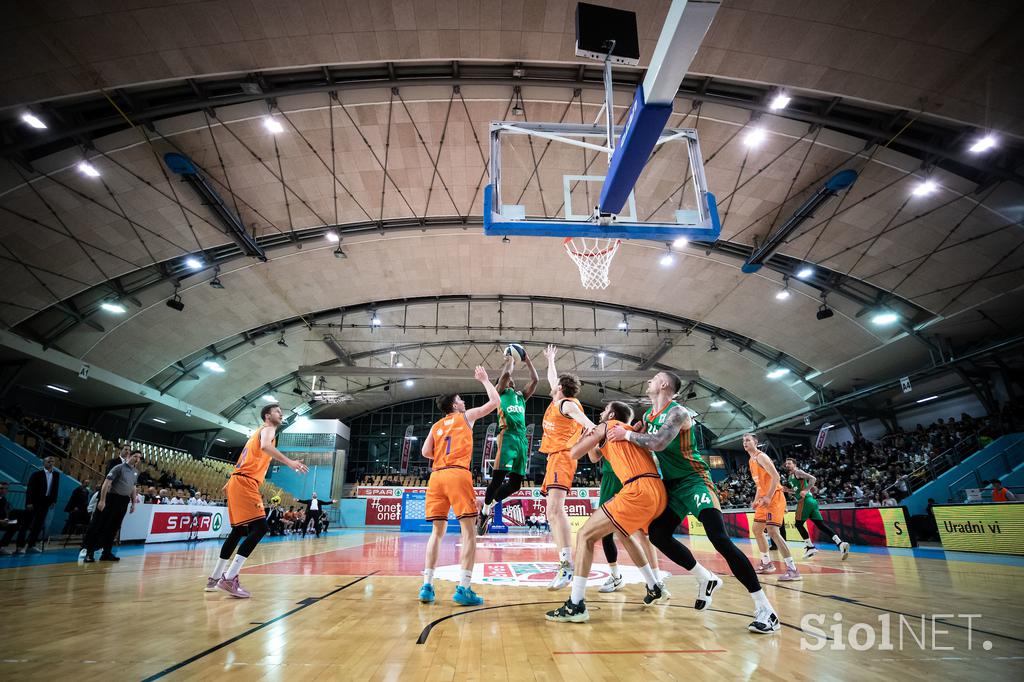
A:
217	522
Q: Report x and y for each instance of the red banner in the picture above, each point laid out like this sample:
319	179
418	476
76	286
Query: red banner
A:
406	449
180	522
384	511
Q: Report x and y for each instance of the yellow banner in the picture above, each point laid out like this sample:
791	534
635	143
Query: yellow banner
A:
897	534
997	527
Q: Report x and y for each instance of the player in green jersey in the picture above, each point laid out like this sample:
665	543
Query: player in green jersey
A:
510	465
667	430
801	484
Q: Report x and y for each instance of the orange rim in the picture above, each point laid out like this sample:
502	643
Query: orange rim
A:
589	254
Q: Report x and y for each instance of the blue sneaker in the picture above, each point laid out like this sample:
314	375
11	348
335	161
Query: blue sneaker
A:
465	596
427	594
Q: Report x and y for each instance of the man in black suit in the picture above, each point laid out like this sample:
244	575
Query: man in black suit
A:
78	507
120	458
314	510
40	495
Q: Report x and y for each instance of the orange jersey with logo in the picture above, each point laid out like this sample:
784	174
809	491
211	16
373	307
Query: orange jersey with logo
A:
560	432
453	442
627	460
253	462
762	478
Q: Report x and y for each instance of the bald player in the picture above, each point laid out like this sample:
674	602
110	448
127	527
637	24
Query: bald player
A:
640	501
564	422
450	445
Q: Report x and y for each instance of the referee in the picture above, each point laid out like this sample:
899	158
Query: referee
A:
116	496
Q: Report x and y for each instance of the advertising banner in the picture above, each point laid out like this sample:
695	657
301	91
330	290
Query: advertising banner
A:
987	527
406	449
384	511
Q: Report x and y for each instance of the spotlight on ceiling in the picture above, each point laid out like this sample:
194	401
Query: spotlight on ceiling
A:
805	272
981	145
113	307
885	318
193	263
332	236
680	243
717	403
273	125
214	366
409	383
624	323
175	302
339	253
780	101
374	320
755	136
88	169
33	120
667	260
59	389
270	398
713	348
777	373
281	342
824	312
215	282
924	188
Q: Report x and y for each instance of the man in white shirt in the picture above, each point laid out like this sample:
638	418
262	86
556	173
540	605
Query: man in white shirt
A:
194	500
314	510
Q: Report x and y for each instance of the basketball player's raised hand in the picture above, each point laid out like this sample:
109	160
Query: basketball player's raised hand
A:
550	352
480	374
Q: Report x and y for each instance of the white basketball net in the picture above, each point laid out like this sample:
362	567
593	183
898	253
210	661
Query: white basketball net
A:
593	256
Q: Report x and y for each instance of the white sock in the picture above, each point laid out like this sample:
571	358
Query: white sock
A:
565	554
579	589
464	577
765	559
760	600
218	570
808	544
428	576
790	564
488	506
235	567
836	539
701	572
615	570
648	576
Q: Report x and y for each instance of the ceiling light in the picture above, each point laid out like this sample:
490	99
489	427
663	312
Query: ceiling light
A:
624	323
398	364
805	272
220	440
667	260
216	283
214	366
175	303
33	121
518	71
924	188
113	307
601	355
713	348
931	397
885	318
59	389
780	101
338	253
332	236
409	383
374	320
782	294
824	312
272	124
680	243
158	420
281	342
982	145
717	403
755	136
193	262
269	398
777	373
88	169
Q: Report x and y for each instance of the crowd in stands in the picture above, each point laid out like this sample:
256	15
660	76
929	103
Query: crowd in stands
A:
878	473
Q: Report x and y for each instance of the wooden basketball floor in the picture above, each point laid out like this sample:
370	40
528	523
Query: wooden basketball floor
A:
344	607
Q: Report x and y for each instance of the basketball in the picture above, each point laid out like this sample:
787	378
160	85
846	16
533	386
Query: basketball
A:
517	349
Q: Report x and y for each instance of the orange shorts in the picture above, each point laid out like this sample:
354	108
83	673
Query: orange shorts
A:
245	503
636	505
560	471
774	513
450	488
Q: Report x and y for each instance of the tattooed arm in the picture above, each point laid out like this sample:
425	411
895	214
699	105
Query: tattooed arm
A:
677	419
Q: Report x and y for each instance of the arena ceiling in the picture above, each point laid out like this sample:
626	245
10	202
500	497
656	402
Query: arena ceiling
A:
896	91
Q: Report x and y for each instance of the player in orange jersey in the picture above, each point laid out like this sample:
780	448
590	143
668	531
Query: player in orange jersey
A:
245	504
450	445
564	422
632	509
769	509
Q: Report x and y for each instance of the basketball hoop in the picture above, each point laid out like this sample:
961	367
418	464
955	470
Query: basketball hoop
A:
593	256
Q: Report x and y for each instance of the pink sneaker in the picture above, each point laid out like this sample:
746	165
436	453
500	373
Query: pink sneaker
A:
765	568
790	576
211	585
233	588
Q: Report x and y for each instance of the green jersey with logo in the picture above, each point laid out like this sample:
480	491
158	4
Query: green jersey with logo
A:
686	475
512	455
512	412
806	505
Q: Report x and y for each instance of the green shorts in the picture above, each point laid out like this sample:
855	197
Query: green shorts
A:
690	496
807	508
511	453
610	487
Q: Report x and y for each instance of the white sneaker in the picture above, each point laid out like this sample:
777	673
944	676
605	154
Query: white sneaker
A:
81	555
612	584
665	594
844	547
5	552
663	575
562	577
705	591
765	621
809	552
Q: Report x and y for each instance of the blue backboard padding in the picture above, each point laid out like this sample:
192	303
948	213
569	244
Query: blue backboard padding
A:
641	133
179	163
841	180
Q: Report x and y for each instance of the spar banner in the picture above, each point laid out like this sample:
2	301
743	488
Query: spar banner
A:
487	461
406	449
879	526
985	527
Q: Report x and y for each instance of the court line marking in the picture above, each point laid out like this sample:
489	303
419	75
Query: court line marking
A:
652	651
855	602
422	639
305	603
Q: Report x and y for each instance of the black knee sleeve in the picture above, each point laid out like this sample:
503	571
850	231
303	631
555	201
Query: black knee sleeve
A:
802	529
257	529
714	525
232	540
511	485
497	478
824	529
661	533
611	552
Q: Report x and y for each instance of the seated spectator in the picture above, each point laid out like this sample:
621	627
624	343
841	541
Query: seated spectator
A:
1001	494
77	508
